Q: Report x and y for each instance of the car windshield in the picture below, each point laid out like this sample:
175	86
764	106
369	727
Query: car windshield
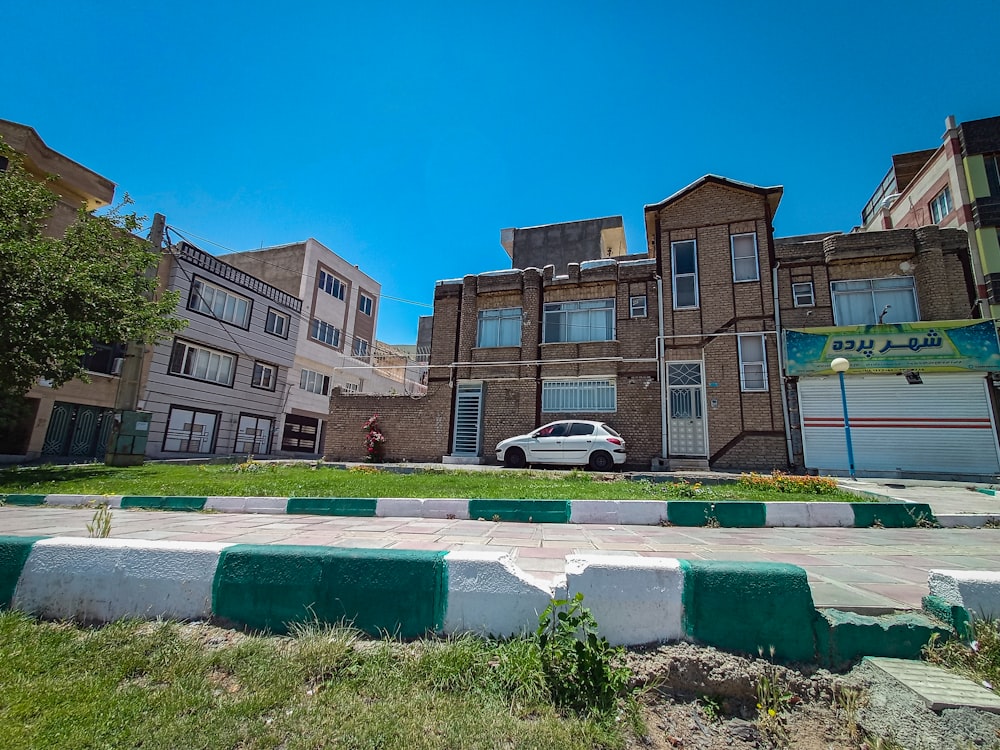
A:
609	430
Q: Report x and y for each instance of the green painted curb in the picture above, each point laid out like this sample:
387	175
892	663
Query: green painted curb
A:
750	607
954	615
533	511
150	502
987	492
729	514
333	506
892	515
267	587
842	638
14	551
23	499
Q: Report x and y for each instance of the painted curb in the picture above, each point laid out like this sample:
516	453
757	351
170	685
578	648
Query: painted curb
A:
101	580
691	513
489	595
14	551
635	600
842	638
978	592
967	520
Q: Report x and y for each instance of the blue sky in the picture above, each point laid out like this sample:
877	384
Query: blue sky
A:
404	136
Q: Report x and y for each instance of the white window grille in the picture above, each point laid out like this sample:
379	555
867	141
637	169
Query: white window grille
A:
596	395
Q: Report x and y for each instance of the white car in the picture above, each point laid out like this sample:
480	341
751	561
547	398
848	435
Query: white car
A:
568	442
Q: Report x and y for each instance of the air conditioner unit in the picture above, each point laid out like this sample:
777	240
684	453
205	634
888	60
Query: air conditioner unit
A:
116	365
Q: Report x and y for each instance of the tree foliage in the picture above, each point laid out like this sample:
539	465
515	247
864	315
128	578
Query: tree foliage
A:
59	295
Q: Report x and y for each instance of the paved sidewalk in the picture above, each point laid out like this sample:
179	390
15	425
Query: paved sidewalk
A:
863	569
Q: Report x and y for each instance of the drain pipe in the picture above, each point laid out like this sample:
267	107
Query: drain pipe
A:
661	368
781	368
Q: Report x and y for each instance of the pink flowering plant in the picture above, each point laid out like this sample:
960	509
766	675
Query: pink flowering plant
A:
374	441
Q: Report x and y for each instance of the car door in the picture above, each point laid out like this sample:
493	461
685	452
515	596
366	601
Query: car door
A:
546	445
577	443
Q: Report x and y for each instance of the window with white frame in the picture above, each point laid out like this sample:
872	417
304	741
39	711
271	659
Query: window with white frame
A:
201	363
324	332
582	320
264	376
221	304
314	382
276	323
803	294
190	430
684	272
870	301
360	348
350	387
753	362
499	327
941	205
331	285
637	306
253	435
365	304
592	395
745	265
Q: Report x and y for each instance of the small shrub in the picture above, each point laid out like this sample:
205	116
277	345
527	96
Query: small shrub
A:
682	489
584	673
250	466
779	481
99	526
773	701
977	656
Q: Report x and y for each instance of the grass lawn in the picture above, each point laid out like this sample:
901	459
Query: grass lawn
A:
163	685
305	480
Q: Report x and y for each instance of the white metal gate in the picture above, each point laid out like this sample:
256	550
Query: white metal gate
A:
468	420
686	411
942	425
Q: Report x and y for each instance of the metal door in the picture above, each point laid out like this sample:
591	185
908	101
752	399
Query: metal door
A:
685	409
77	430
468	420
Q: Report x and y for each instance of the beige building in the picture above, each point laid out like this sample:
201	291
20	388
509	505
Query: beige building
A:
73	420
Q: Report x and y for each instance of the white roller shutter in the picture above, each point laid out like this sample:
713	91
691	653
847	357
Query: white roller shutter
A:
944	425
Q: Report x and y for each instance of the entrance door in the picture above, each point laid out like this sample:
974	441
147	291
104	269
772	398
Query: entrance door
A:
77	430
468	420
685	411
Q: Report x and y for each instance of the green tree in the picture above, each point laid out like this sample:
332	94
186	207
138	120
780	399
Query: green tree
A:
58	295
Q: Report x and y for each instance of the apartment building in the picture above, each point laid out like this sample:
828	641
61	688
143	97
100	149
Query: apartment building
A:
222	385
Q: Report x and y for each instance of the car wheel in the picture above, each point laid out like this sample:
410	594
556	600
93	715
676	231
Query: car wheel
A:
601	461
514	458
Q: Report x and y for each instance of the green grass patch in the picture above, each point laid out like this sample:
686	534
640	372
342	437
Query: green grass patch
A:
301	481
162	685
977	656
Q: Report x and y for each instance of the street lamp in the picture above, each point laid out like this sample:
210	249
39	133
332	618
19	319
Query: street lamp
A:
840	365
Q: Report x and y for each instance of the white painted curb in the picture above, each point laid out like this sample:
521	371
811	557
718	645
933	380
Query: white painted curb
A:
808	515
969	520
113	501
636	600
488	594
620	512
409	507
247	504
977	591
100	580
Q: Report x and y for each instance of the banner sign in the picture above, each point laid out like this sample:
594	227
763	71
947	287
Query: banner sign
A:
923	346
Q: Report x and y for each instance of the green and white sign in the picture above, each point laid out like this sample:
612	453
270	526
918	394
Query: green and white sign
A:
925	346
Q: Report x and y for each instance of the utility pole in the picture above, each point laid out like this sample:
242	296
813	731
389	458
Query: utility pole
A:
127	444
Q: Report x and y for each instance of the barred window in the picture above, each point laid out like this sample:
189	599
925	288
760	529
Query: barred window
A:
579	395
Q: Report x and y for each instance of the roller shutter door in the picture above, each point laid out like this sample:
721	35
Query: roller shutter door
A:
944	425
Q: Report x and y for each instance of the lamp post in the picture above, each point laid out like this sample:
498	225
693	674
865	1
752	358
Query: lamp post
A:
840	365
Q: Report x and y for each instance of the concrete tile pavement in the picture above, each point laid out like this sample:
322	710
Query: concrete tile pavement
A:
866	569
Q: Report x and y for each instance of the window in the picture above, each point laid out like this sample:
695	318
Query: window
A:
331	285
300	434
221	304
314	382
580	428
753	363
325	332
802	294
637	306
253	435
365	304
500	327
684	265
579	395
992	162
105	358
350	387
276	323
871	301
360	348
941	205
190	431
745	266
585	320
201	363
264	376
